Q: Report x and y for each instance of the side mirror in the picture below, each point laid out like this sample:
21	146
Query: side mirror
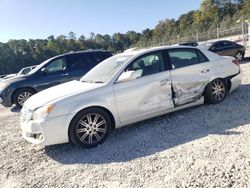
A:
43	70
129	75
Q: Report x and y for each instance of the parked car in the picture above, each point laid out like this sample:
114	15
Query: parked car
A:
228	48
23	71
189	44
54	71
127	88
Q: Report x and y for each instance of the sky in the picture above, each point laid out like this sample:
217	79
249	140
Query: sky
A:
38	19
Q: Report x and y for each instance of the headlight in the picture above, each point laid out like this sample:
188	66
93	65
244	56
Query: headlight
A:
3	85
43	112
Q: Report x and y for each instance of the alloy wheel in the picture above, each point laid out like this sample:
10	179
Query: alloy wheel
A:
91	128
218	90
239	56
22	97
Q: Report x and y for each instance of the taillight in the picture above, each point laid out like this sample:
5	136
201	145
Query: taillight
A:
236	62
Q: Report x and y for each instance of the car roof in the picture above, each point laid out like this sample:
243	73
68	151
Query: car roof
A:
223	41
81	52
138	51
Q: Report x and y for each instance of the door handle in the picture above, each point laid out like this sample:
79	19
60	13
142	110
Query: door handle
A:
65	74
205	71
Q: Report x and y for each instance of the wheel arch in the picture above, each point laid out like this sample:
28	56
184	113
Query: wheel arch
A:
18	89
100	107
226	81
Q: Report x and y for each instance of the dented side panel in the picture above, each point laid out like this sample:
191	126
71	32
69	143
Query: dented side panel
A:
190	82
139	98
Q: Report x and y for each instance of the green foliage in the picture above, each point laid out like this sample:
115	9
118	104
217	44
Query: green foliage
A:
16	54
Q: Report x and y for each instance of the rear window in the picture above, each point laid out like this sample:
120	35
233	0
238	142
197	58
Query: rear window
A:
101	56
81	61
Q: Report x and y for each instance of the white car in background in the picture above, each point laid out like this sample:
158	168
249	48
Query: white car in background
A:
127	88
23	71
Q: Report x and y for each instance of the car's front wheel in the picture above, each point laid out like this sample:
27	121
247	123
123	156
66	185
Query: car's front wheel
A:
215	91
21	96
89	127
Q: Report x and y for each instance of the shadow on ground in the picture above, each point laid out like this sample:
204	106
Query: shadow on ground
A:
162	133
15	109
245	60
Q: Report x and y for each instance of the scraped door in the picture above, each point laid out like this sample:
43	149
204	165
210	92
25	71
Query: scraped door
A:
190	74
147	95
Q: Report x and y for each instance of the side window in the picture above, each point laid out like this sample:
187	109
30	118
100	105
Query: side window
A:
26	71
228	44
56	66
147	65
218	46
202	57
183	57
101	56
80	62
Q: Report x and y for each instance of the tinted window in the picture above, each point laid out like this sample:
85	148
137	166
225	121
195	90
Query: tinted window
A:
26	71
185	57
56	66
218	45
228	44
202	57
101	56
149	64
80	62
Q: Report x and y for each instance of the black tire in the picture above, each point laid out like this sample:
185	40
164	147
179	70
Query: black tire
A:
81	127
215	91
22	95
239	56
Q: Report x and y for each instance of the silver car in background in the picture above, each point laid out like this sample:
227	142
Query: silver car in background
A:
127	88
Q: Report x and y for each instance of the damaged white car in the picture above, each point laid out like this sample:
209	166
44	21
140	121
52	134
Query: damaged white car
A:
127	88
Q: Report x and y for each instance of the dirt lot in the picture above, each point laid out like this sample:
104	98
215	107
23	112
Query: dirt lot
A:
205	146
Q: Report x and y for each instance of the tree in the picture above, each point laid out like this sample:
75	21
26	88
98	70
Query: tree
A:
72	35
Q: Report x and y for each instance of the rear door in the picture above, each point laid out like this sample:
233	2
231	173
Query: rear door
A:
100	56
190	74
224	48
79	64
147	95
218	48
230	48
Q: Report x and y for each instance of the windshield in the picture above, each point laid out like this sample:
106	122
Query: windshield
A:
105	70
38	67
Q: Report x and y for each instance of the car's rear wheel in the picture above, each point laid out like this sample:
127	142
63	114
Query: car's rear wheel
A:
21	96
215	91
239	56
89	127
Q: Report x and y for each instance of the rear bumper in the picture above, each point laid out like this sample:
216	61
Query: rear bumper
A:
235	81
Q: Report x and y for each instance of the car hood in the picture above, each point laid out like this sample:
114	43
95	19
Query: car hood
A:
14	79
59	92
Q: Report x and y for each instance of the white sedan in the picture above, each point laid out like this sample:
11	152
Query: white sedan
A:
127	88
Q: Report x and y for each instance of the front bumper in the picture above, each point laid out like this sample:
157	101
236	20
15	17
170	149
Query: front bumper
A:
53	130
5	98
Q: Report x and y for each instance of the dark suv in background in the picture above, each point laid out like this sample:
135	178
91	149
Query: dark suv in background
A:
228	48
54	71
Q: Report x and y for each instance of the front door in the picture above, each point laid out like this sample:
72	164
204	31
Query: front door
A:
190	74
52	74
147	95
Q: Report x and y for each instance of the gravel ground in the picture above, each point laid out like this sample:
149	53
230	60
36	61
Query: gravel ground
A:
205	146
